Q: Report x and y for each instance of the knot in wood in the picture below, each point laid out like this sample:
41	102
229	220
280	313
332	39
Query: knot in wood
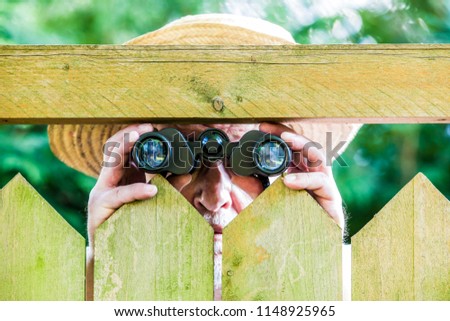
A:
218	104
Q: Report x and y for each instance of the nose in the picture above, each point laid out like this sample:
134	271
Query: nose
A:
214	193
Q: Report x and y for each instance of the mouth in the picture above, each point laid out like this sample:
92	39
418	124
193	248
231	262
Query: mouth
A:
218	220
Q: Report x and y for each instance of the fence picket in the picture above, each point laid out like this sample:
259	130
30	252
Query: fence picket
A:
41	256
159	249
282	247
404	252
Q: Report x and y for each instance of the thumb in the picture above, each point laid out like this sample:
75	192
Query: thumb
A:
121	195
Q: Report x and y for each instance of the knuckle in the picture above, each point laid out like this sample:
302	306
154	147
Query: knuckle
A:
118	193
322	178
134	189
307	179
110	146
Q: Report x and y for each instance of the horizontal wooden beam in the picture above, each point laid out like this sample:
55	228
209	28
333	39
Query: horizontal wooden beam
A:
98	84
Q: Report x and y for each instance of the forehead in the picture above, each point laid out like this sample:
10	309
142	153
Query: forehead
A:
234	131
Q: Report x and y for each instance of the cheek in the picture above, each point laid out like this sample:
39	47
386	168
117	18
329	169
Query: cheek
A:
244	191
249	185
187	190
190	191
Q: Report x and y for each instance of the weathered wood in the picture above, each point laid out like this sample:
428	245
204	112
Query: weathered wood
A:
283	246
159	249
98	84
41	256
404	252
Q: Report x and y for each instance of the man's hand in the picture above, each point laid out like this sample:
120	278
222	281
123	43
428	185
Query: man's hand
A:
119	182
310	172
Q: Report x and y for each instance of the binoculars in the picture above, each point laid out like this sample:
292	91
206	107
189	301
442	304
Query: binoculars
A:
257	153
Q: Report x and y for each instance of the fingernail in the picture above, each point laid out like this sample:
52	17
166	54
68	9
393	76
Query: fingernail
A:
151	189
134	135
290	178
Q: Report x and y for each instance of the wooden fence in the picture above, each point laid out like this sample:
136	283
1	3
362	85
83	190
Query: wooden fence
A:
283	246
162	249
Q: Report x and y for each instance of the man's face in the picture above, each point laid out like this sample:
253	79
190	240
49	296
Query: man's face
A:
213	189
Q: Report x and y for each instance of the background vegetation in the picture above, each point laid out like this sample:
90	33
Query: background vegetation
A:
382	159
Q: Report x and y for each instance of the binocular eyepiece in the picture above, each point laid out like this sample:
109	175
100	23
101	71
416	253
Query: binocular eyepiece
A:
257	153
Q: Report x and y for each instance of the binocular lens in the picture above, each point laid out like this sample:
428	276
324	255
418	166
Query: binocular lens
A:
271	156
153	152
212	143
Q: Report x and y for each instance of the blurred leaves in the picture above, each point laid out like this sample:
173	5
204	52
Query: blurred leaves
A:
319	21
382	159
25	149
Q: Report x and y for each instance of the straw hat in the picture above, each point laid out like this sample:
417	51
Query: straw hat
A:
80	146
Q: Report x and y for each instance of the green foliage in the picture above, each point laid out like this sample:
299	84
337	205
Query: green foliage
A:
381	159
25	149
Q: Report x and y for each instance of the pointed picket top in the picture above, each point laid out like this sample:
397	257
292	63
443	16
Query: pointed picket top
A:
41	256
403	252
158	249
283	246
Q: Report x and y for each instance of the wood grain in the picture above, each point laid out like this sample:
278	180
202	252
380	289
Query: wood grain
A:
404	252
283	246
159	249
41	256
431	242
342	83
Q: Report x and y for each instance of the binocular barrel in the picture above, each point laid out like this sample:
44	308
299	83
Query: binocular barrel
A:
257	153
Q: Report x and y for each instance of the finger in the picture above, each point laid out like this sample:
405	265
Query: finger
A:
116	151
119	136
317	182
118	196
310	150
299	162
275	128
113	168
180	181
322	188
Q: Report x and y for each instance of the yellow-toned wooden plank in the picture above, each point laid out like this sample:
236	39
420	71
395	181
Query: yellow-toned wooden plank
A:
41	256
282	247
383	253
404	252
431	242
159	249
376	83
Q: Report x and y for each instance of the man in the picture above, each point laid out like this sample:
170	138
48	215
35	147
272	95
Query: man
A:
215	191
